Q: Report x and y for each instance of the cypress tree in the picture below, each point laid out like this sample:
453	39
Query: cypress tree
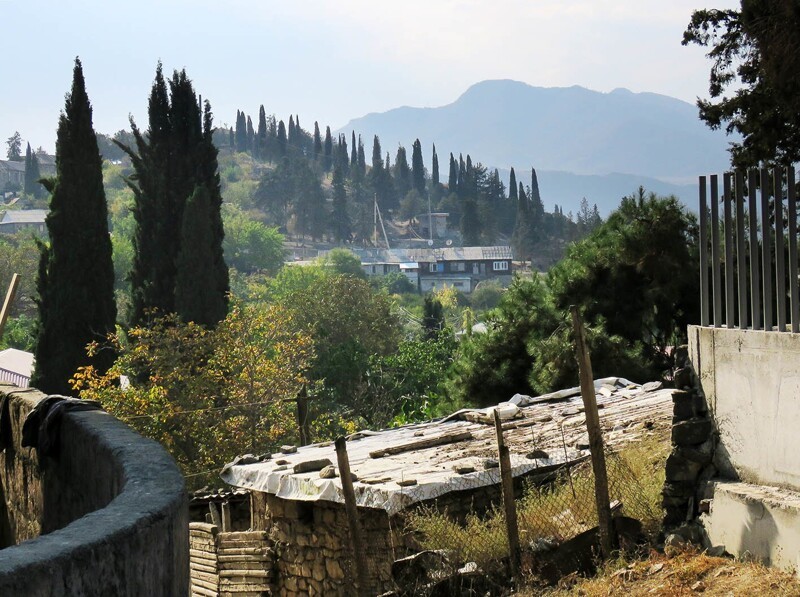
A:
76	274
435	168
362	160
417	169
317	143
282	141
328	151
353	152
261	134
291	136
177	157
470	224
251	135
340	221
452	180
32	174
512	188
402	173
194	277
241	131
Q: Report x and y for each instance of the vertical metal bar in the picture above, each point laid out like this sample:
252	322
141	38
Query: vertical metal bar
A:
741	252
766	249
780	269
729	297
716	274
794	298
703	253
755	266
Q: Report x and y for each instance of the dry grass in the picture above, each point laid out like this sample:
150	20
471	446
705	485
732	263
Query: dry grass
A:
688	573
557	510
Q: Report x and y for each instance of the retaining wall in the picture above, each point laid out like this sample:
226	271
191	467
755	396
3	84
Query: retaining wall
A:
751	382
107	517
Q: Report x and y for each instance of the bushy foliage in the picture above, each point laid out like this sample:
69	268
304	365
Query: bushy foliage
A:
207	396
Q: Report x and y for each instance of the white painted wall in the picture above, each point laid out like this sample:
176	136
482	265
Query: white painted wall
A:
751	380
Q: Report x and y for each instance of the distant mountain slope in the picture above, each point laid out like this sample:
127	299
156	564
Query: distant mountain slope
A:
507	123
566	189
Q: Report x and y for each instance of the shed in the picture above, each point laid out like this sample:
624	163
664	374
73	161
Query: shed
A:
441	463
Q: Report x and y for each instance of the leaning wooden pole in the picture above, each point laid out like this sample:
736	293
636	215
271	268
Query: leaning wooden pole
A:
509	504
352	515
595	435
10	295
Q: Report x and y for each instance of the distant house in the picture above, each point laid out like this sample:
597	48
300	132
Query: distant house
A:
462	267
438	221
13	221
12	174
16	366
459	267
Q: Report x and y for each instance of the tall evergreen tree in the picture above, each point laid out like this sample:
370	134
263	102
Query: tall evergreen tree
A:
452	179
261	134
417	169
32	174
282	141
251	135
177	156
76	274
328	150
362	160
470	224
353	150
435	168
241	131
402	173
195	277
340	221
317	143
291	135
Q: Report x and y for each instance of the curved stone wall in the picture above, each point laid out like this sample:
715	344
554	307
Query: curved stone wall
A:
107	517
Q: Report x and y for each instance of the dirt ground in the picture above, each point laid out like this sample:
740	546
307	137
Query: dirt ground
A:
688	573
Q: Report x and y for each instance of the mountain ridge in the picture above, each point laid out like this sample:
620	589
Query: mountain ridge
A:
504	123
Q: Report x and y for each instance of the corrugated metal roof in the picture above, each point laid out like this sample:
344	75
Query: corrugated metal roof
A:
17	361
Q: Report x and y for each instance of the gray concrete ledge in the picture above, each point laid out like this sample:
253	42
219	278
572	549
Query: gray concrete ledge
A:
756	522
118	503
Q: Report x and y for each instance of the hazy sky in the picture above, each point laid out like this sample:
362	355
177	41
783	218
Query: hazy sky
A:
331	60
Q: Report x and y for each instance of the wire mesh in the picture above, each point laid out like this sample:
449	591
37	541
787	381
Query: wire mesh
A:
548	513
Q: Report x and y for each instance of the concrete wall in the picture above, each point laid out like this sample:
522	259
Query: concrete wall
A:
111	510
751	381
756	522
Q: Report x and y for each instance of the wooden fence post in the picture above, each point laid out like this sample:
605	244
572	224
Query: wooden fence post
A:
509	503
352	515
607	539
12	292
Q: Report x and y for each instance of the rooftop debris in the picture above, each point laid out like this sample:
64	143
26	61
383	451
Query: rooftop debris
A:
405	465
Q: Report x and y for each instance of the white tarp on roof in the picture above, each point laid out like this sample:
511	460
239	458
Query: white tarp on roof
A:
533	424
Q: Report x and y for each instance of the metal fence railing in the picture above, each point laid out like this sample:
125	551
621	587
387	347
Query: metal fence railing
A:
749	252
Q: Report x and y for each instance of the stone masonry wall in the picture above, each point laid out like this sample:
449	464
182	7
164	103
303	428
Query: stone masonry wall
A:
689	464
108	516
312	546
